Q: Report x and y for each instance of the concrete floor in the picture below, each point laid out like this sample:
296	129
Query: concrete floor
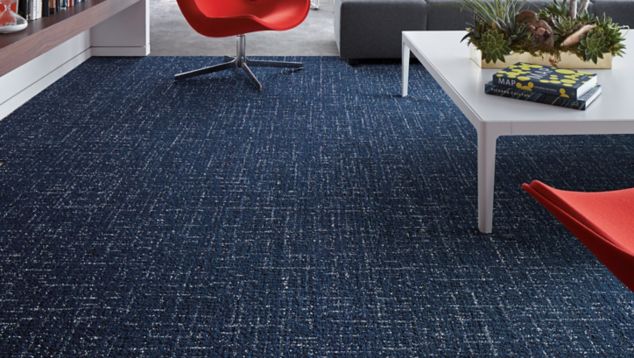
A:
170	35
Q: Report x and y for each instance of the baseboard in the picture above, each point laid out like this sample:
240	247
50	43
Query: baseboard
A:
13	100
132	51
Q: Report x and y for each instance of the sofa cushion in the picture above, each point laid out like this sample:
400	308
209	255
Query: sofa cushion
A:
372	28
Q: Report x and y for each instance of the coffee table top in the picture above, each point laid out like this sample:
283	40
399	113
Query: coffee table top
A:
448	61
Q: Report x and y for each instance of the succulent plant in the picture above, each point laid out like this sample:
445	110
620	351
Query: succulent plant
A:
564	26
605	37
591	46
558	16
494	46
555	9
498	14
612	35
495	29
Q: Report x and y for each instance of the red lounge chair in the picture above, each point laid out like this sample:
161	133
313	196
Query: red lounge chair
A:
603	221
222	18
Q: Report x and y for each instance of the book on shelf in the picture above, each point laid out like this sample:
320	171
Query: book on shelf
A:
23	8
36	10
528	77
580	103
46	10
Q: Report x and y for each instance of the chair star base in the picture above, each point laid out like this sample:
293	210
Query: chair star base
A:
240	61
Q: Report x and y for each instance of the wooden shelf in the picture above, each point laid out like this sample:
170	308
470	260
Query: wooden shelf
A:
45	33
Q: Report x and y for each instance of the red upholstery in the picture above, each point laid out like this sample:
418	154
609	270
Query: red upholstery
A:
602	221
221	18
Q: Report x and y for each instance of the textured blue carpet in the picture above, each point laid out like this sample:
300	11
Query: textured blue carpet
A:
324	216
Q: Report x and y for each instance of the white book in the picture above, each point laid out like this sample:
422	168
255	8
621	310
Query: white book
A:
34	7
38	9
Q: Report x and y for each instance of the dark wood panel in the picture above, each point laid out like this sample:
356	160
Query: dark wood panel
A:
45	33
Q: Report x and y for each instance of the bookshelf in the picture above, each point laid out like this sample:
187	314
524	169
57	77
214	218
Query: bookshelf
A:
46	33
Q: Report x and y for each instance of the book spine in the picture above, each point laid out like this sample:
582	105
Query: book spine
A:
536	87
22	8
37	5
537	97
31	7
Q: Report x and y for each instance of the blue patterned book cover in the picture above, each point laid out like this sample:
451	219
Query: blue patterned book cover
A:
555	81
580	103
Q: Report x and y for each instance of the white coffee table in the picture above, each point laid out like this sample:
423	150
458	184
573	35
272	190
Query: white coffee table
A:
447	60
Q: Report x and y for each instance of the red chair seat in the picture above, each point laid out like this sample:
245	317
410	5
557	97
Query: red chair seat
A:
222	18
602	221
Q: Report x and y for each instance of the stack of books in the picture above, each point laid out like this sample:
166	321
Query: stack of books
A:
35	9
545	84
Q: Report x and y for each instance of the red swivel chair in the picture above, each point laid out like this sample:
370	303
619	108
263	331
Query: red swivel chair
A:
222	18
602	221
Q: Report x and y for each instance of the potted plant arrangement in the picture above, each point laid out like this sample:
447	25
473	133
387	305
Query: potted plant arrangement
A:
562	34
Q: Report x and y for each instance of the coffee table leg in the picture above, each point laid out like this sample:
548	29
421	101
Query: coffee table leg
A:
486	180
405	68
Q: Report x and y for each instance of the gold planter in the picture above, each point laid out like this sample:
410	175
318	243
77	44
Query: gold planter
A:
568	60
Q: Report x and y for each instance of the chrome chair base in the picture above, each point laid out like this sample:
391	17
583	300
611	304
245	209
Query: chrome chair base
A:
240	61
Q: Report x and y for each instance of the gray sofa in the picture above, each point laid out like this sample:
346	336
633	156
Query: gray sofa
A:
371	29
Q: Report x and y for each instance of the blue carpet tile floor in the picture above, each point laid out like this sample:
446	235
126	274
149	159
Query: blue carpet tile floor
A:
324	216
